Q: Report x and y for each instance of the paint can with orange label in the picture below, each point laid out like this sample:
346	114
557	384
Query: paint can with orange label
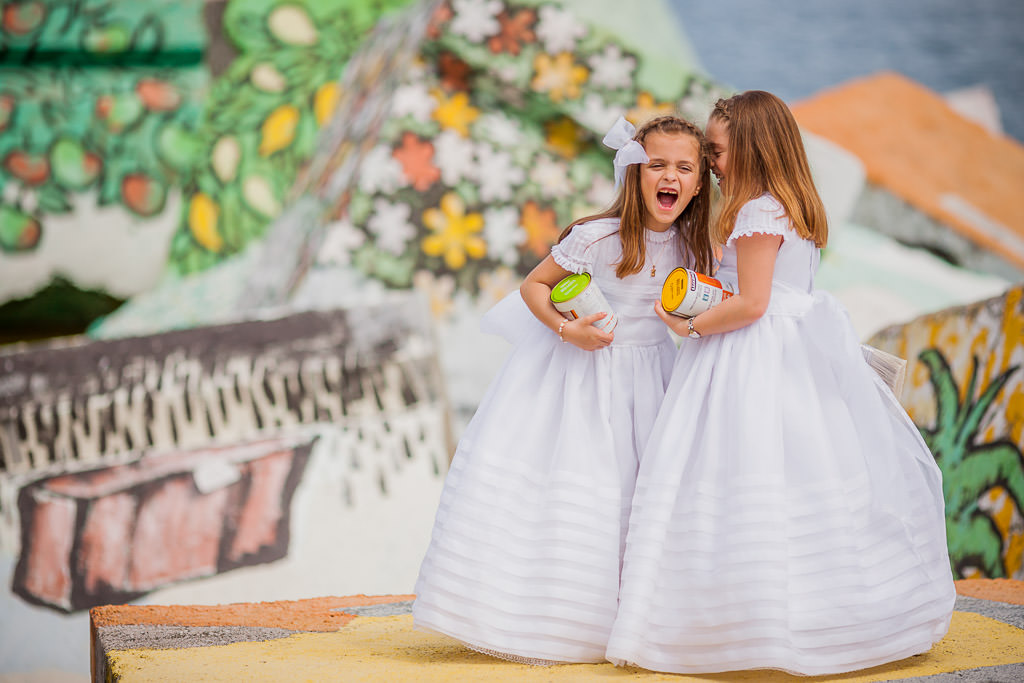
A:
577	296
687	293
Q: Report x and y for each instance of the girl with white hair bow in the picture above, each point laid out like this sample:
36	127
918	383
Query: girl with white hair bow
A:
525	555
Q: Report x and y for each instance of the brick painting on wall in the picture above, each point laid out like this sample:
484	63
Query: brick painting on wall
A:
128	465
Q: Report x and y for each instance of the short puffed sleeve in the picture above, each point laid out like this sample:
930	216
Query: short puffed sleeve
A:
576	253
761	216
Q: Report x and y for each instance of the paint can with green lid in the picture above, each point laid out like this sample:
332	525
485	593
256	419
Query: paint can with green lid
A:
577	296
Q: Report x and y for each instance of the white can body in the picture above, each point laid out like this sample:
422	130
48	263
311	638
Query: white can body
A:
589	302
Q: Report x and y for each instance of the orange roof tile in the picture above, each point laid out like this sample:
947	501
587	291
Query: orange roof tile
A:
916	146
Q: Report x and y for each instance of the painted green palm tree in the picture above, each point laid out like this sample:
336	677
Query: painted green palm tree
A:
969	469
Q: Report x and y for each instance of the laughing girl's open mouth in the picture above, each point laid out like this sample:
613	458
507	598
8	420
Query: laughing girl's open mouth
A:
667	198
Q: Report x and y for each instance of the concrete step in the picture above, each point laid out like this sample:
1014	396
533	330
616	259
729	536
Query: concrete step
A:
371	638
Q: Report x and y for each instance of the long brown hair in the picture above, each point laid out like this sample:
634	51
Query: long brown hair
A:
629	207
766	154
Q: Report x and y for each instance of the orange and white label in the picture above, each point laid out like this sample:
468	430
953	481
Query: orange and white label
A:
687	293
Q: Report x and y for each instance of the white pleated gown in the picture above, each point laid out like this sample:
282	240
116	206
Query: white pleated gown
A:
525	553
787	513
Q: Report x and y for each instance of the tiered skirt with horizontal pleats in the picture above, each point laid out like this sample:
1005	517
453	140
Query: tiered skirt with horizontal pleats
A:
787	514
525	553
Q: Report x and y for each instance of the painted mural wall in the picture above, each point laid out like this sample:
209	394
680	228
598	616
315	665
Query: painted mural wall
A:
965	390
263	118
490	146
125	160
128	465
491	143
99	108
339	159
276	458
121	159
261	460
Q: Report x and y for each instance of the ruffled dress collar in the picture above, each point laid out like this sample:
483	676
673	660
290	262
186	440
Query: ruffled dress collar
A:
660	237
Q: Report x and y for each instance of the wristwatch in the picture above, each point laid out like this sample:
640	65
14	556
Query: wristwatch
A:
692	333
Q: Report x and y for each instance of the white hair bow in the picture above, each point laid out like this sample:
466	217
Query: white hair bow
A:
620	137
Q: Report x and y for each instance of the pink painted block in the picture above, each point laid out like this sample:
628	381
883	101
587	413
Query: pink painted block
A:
262	514
113	534
47	575
177	534
103	554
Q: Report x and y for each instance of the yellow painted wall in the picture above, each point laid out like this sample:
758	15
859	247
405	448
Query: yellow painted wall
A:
965	391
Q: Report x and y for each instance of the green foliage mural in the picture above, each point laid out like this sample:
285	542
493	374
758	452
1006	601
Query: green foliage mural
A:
97	97
263	117
970	469
129	137
66	32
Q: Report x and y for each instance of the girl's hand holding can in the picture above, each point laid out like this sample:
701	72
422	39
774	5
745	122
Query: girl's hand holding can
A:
584	334
675	323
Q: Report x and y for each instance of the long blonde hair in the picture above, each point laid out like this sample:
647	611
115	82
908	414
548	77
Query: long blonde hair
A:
766	154
631	211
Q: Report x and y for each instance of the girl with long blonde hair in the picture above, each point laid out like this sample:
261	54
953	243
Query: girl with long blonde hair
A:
787	513
524	559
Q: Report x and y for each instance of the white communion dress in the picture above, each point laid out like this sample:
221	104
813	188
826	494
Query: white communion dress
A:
787	513
524	557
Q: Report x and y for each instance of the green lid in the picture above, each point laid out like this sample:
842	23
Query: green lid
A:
569	287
